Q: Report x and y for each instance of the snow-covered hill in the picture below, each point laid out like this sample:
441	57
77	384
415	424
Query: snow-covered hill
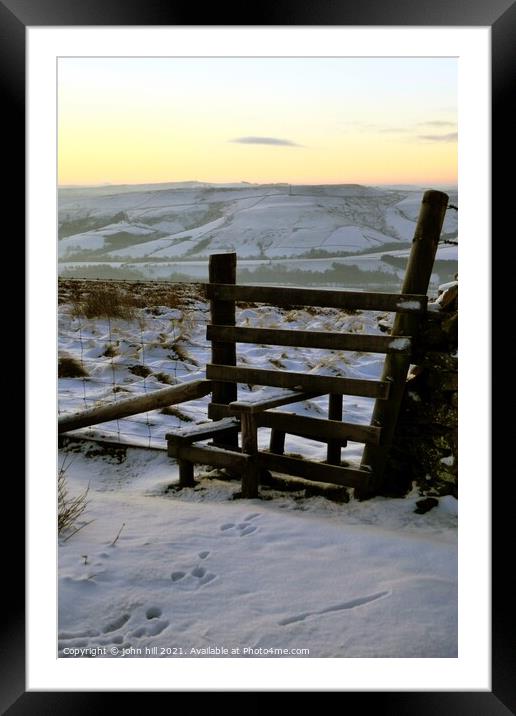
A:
152	224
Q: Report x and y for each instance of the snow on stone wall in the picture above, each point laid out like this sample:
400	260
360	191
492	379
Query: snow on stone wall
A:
424	450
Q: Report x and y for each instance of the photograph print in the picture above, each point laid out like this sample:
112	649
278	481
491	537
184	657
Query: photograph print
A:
257	357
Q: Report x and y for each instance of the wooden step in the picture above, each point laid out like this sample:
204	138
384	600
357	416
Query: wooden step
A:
208	455
204	431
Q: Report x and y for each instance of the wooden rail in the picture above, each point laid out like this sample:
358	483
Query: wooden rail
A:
132	406
299	381
319	471
318	428
310	339
280	296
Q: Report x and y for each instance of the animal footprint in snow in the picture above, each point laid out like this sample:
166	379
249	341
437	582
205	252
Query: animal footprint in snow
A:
252	516
116	624
153	628
197	577
242	528
153	613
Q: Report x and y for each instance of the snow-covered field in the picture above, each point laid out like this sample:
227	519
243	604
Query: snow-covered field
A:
196	569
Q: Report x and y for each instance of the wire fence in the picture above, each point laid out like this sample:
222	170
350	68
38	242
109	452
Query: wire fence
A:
106	359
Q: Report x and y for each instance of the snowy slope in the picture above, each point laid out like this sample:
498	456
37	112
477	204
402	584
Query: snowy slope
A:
196	570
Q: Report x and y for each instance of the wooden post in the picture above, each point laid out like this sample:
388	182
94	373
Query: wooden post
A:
250	447
416	281
186	473
277	441
222	270
334	413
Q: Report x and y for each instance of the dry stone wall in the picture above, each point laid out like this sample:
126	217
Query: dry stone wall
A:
424	450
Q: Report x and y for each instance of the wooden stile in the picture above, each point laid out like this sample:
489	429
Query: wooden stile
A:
261	411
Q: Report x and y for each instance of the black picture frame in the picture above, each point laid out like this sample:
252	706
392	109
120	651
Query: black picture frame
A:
500	16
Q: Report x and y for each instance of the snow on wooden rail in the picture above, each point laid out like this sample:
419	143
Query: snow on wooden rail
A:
408	302
132	406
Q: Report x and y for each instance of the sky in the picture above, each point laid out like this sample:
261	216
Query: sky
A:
294	120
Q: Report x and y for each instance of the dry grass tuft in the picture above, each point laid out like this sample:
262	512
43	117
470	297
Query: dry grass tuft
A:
69	367
165	378
110	351
176	413
107	302
140	370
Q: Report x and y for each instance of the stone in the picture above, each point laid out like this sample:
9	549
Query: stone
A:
438	359
444	380
425	505
449	298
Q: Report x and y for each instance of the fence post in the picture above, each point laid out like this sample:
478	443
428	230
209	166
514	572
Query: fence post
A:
416	281
222	269
277	441
250	476
333	452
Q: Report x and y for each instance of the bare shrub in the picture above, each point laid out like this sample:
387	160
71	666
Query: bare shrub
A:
69	509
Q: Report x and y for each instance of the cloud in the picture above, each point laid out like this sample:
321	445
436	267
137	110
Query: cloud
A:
451	137
271	141
436	123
